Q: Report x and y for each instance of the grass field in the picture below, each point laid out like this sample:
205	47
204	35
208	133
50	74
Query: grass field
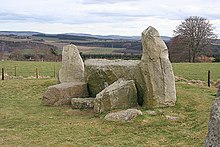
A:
197	71
99	50
26	122
27	69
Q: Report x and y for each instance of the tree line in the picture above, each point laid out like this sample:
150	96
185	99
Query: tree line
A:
111	56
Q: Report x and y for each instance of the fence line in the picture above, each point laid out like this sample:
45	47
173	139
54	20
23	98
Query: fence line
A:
3	73
29	71
209	78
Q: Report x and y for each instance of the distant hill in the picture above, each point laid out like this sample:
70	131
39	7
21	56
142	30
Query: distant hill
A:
11	41
115	37
112	37
74	35
19	33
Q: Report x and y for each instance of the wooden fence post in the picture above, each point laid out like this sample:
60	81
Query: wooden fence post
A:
36	72
209	75
15	71
3	73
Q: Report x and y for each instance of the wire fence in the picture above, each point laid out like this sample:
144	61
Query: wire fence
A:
27	69
37	70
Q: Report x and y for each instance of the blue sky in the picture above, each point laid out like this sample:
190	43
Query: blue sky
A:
104	17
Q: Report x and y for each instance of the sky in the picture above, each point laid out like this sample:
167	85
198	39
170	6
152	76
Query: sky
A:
104	17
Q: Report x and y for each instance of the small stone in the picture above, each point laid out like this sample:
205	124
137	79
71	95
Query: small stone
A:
217	84
82	103
180	79
124	115
151	112
171	117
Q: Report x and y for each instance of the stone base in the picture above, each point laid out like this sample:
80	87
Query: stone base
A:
61	94
82	103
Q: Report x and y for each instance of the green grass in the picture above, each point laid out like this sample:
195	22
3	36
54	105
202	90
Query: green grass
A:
32	52
197	71
28	68
26	122
102	51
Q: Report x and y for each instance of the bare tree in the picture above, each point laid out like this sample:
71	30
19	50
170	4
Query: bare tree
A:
2	50
16	54
177	50
195	33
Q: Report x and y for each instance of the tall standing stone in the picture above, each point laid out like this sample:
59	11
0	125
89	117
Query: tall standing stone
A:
157	71
213	137
71	76
72	69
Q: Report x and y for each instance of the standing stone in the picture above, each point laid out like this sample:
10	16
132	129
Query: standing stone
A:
157	71
213	137
72	69
121	94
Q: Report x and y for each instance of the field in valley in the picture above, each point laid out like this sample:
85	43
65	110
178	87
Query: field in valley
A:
26	122
99	50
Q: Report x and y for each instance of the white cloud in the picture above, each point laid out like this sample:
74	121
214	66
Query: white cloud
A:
125	17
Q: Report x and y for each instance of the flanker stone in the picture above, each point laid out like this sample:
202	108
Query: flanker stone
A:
157	71
72	69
